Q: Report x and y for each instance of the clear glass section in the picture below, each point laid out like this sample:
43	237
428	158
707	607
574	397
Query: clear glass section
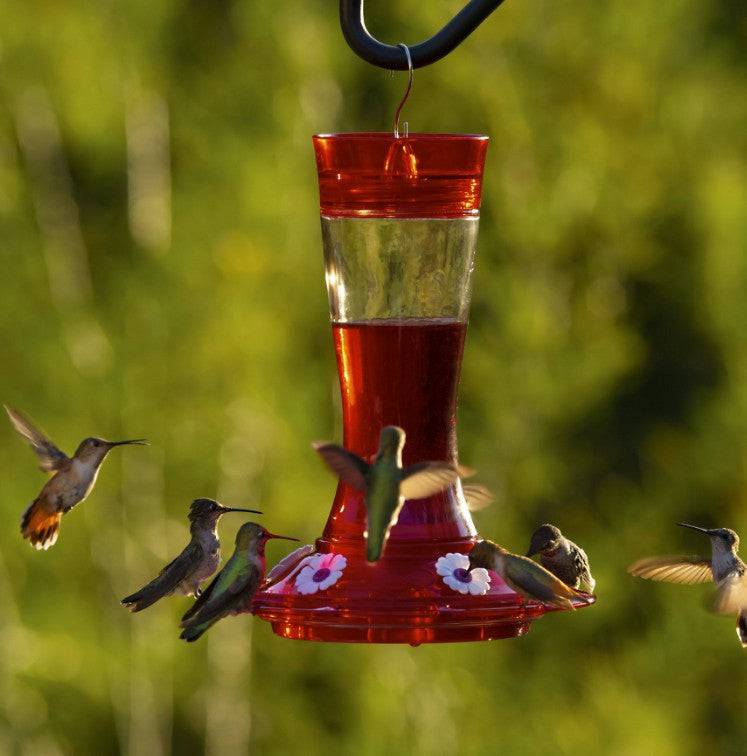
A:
398	268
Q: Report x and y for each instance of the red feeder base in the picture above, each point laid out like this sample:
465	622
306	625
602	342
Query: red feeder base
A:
401	599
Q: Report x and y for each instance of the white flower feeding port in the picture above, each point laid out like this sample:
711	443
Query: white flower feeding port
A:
319	572
455	571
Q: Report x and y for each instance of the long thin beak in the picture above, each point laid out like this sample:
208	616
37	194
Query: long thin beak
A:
236	509
269	535
138	441
694	527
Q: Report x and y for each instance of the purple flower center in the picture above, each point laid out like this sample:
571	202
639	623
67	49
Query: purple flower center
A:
320	575
462	575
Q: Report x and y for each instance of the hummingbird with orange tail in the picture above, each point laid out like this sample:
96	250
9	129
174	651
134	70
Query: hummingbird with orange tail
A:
724	568
197	562
71	483
386	483
524	576
233	588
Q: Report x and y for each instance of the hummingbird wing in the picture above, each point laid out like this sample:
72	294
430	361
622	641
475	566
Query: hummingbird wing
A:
535	581
238	580
583	569
201	599
426	479
50	457
478	497
349	467
168	579
685	570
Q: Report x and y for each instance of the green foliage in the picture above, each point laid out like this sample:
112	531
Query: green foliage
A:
163	277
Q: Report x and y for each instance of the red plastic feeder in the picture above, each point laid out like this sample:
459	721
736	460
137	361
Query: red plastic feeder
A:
399	224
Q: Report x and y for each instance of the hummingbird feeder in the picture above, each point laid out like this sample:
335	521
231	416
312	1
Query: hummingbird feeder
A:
399	215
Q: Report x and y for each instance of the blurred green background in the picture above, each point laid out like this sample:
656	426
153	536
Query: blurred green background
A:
163	277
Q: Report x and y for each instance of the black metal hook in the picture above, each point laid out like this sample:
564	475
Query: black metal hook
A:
424	53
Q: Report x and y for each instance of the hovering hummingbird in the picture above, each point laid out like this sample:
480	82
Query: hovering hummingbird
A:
233	588
562	557
195	564
523	576
386	483
71	483
724	567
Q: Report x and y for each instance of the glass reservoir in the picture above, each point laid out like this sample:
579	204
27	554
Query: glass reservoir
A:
399	228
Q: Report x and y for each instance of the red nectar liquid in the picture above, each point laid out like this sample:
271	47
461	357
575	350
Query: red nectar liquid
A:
406	373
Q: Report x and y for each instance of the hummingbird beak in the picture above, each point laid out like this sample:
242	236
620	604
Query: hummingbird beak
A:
223	510
269	535
694	527
138	441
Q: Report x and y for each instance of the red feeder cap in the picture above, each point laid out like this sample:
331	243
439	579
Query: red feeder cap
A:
374	175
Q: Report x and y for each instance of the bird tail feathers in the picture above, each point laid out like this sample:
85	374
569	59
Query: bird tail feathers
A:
148	594
192	633
141	599
374	547
40	526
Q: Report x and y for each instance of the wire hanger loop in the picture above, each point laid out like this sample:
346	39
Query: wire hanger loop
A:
406	94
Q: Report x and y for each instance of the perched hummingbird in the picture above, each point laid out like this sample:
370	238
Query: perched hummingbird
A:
195	564
562	557
724	567
71	483
386	483
523	576
233	588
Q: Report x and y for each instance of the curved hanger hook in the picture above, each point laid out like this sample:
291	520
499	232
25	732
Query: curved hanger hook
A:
406	94
369	48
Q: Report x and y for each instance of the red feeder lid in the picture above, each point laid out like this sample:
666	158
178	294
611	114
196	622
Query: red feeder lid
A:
375	175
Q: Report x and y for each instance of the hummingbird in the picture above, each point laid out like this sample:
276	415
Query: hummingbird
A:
523	576
562	557
725	568
71	483
197	562
232	589
386	483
